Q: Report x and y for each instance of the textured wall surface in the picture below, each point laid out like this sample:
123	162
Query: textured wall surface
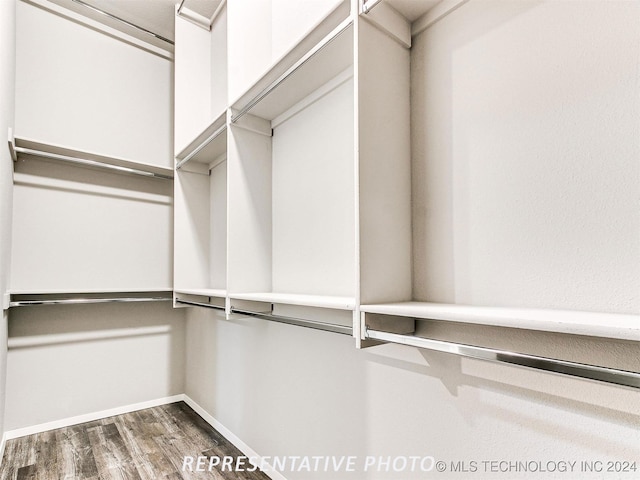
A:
7	86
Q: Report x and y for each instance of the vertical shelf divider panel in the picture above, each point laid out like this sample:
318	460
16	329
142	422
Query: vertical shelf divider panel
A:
249	196
200	244
384	162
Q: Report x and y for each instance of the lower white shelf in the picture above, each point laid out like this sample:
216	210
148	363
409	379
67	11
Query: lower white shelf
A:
606	325
320	301
24	299
204	292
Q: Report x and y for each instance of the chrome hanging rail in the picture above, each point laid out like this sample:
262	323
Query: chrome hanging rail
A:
85	300
87	162
199	304
339	30
582	370
197	150
328	327
126	22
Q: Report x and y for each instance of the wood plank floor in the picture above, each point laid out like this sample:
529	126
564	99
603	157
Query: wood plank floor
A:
148	444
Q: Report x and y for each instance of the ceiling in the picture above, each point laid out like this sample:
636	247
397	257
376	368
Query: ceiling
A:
156	16
412	9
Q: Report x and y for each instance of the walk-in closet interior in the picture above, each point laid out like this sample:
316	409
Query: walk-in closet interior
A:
369	228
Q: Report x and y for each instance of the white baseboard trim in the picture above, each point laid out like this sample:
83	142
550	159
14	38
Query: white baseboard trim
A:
229	435
89	417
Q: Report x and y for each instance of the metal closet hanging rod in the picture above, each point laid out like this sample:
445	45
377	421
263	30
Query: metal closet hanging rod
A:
199	304
326	41
122	20
90	163
299	322
574	369
86	301
200	147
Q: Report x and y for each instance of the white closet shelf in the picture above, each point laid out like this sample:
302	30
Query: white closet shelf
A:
321	301
606	325
311	64
90	291
24	146
208	145
203	292
22	299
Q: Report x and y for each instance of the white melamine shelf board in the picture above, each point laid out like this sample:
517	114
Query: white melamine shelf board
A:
321	301
323	61
594	324
92	291
53	149
203	292
208	145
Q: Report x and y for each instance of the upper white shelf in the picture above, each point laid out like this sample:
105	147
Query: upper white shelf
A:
203	292
208	145
321	301
607	325
315	60
26	146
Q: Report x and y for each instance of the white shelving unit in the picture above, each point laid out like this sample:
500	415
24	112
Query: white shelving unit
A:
391	260
25	147
593	324
200	187
92	196
291	190
318	200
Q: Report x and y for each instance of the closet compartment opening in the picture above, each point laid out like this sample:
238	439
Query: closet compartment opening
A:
322	315
201	215
292	189
267	37
200	74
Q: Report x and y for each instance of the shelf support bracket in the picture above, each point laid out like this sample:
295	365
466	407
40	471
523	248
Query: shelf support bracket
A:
12	146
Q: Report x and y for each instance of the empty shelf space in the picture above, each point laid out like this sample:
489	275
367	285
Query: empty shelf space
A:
21	147
297	76
320	301
607	325
209	145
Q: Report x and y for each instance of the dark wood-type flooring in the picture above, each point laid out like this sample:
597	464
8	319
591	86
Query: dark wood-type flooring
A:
147	445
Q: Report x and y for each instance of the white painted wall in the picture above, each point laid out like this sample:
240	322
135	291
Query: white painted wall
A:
262	31
77	229
288	390
82	229
313	198
70	360
526	176
107	98
7	86
527	109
